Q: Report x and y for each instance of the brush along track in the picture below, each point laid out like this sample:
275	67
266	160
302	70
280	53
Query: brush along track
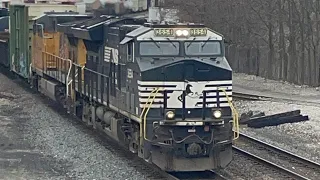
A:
285	159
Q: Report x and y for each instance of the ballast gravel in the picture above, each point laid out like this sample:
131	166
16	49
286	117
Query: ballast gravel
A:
267	85
302	138
38	142
56	146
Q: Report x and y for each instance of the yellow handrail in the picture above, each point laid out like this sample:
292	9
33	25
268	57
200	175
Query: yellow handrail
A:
235	116
144	112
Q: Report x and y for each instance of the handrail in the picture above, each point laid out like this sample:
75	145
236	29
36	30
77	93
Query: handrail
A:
30	70
142	126
146	113
235	116
68	75
69	83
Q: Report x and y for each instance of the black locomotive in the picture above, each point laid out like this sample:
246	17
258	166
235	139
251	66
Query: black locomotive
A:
163	90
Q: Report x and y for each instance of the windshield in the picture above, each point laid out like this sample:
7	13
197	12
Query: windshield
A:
156	48
211	48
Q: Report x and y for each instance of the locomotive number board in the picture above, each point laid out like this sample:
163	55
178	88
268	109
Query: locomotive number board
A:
170	32
198	32
164	32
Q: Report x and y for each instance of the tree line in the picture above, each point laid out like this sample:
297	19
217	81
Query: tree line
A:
275	39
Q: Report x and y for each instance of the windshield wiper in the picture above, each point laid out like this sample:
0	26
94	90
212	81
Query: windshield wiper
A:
191	42
205	42
171	43
155	43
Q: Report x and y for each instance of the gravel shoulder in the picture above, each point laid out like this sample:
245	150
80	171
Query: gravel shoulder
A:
40	143
37	142
264	85
302	138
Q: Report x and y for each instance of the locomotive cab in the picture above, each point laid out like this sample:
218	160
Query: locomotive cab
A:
184	86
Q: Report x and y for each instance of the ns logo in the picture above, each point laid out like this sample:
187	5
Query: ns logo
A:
193	92
189	92
111	55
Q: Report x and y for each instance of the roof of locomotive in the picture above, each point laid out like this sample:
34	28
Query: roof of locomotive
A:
66	27
176	25
61	15
93	28
93	22
138	31
51	21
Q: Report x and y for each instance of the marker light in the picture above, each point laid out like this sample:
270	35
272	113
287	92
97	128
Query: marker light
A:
179	32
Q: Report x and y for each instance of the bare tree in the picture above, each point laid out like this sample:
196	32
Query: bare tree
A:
276	39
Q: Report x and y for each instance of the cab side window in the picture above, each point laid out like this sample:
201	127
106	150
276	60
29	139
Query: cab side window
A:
130	52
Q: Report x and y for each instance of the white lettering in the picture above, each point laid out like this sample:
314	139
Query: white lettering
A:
111	55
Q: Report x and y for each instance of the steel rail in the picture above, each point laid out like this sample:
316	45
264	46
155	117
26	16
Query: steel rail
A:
295	162
249	96
286	172
205	175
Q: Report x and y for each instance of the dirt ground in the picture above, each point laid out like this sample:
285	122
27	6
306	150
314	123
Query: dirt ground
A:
37	142
19	159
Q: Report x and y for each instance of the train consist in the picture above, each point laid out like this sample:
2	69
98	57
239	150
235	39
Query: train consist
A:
162	90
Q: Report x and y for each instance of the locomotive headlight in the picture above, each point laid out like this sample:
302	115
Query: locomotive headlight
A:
182	32
217	114
179	32
185	32
170	115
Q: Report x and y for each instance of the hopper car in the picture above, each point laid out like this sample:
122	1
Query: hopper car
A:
162	90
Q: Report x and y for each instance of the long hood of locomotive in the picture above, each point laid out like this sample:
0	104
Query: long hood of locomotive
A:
194	76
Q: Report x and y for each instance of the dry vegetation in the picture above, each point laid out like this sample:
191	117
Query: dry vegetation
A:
276	39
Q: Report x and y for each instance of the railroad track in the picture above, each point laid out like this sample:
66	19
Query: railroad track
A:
251	97
207	175
311	170
286	163
150	171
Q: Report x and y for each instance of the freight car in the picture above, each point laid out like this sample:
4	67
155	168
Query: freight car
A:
4	37
162	90
4	49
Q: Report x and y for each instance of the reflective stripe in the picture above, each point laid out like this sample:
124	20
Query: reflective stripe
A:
209	105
